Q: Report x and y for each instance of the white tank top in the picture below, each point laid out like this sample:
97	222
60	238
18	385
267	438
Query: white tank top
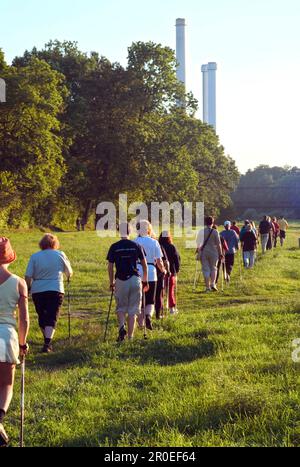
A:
9	298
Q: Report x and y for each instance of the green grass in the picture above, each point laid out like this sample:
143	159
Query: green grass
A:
219	374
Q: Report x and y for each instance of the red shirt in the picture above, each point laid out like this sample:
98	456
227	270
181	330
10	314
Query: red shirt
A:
276	227
236	229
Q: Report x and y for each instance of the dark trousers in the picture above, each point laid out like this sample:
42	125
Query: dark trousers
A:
159	298
269	244
229	263
47	305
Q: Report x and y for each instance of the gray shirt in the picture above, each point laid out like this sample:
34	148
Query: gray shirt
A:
213	246
46	268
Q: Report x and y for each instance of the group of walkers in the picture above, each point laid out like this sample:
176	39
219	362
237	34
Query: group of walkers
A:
44	279
145	271
217	252
142	276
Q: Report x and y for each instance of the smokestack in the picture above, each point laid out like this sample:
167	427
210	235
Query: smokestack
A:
180	49
210	94
205	93
2	90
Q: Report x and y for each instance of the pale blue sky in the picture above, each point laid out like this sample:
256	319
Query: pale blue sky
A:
256	44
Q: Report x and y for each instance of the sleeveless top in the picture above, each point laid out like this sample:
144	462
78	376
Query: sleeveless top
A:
9	298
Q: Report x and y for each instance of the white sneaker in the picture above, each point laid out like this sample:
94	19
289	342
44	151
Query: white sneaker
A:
207	290
172	311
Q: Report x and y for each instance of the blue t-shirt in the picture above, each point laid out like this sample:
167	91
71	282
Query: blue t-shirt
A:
125	254
232	241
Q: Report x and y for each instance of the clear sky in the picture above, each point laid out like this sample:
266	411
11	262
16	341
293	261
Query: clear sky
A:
256	44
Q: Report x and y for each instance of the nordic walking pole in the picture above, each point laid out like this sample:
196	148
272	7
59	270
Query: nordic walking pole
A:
222	275
69	309
176	293
168	291
144	310
241	260
108	314
196	272
22	402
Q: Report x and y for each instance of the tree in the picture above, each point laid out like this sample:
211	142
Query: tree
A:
271	190
31	144
124	131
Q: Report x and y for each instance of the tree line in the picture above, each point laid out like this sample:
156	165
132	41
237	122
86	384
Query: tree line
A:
268	190
77	130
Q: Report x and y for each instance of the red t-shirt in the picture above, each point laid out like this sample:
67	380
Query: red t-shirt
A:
236	229
276	227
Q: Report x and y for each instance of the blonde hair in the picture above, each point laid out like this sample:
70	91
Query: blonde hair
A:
144	228
49	242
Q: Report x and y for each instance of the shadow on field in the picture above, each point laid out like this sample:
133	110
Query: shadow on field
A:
169	353
189	423
58	359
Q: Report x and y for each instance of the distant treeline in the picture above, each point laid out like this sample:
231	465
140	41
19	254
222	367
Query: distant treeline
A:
78	129
268	190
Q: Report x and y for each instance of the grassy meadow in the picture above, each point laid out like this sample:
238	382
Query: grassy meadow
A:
218	374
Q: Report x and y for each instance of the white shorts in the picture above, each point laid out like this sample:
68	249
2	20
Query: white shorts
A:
128	295
9	344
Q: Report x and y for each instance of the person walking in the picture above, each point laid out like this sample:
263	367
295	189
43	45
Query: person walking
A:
209	252
265	228
44	277
221	263
127	283
232	241
235	227
13	295
244	229
173	258
283	225
161	286
271	234
249	245
154	260
276	231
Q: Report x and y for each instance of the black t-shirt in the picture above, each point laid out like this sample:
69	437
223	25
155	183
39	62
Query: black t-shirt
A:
249	241
265	227
125	254
173	257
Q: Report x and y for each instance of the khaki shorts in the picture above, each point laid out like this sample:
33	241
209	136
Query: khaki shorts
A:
209	263
128	295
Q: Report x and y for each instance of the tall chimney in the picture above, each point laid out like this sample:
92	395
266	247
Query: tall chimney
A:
180	50
2	90
205	93
210	94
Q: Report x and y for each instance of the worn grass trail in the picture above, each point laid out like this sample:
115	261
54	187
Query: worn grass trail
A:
219	374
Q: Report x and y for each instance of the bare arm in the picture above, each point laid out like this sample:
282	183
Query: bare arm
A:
145	270
23	313
68	268
111	275
160	265
28	282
